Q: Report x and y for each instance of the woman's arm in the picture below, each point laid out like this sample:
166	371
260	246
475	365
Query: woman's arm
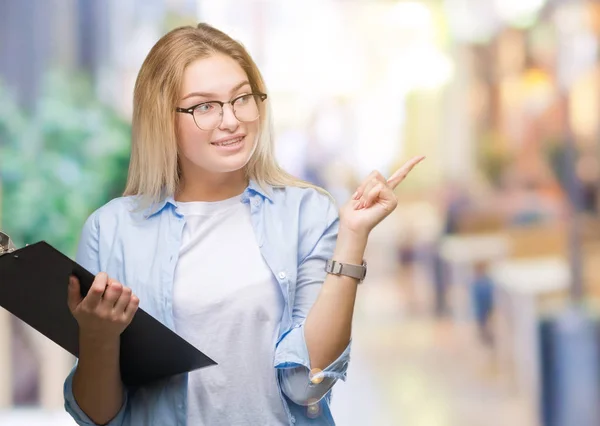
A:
328	327
319	338
97	385
94	393
103	315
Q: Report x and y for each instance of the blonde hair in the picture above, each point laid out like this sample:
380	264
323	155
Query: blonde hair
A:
153	167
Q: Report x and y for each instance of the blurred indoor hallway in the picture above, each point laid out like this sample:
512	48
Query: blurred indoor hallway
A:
410	369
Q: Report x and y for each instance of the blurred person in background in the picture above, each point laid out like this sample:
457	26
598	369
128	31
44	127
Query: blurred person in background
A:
216	241
482	299
455	203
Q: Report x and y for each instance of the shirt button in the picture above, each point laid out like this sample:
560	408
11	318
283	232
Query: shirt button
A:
282	275
256	202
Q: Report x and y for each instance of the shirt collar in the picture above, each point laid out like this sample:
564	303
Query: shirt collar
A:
158	206
265	191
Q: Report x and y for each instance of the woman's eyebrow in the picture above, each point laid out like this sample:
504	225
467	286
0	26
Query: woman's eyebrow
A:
212	95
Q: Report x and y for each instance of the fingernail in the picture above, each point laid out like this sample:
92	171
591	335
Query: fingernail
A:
355	196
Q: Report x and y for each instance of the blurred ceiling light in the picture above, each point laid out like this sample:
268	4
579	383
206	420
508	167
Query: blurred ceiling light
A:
378	120
578	48
519	12
410	14
571	18
471	20
421	67
218	14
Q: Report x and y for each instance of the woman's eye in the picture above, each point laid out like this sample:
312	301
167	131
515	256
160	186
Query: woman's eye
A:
243	99
203	108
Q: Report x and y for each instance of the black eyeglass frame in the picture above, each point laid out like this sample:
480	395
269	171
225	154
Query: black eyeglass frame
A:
190	110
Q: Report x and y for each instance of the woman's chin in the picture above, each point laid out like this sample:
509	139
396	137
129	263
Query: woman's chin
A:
230	164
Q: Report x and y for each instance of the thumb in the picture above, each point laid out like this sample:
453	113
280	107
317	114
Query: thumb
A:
74	294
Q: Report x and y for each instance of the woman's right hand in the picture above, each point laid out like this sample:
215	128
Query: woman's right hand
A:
106	310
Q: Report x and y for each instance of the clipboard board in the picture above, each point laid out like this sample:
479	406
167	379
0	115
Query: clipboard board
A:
33	287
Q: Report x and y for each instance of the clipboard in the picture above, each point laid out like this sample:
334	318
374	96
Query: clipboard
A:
33	287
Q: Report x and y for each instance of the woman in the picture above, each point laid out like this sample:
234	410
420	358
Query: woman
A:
213	239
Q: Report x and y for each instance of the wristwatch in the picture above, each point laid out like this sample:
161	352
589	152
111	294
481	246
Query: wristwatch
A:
355	271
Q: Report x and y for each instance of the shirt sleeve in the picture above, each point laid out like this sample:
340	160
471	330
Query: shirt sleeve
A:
79	415
316	246
87	256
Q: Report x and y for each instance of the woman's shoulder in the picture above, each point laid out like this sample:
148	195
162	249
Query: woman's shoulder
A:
308	213
310	205
303	196
116	208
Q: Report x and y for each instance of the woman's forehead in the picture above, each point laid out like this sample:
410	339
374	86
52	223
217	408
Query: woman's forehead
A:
214	75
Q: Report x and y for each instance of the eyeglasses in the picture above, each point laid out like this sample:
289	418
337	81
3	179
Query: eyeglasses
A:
209	115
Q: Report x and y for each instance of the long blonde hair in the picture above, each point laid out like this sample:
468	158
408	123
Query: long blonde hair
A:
153	167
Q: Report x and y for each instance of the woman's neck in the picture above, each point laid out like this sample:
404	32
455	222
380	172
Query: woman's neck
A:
212	188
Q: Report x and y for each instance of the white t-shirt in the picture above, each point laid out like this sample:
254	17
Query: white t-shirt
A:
227	304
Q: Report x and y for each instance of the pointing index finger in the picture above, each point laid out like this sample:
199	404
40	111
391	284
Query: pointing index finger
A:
403	171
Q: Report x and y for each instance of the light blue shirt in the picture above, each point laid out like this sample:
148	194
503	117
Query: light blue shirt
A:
296	230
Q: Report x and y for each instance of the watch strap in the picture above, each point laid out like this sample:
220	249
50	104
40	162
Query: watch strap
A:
354	271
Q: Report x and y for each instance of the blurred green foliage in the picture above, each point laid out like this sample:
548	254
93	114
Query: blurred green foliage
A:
59	162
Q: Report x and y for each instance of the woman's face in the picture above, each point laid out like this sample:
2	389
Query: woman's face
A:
229	146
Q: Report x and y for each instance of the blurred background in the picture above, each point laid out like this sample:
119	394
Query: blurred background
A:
480	305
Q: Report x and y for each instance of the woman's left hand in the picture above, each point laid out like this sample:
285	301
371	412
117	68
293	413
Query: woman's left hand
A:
374	200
